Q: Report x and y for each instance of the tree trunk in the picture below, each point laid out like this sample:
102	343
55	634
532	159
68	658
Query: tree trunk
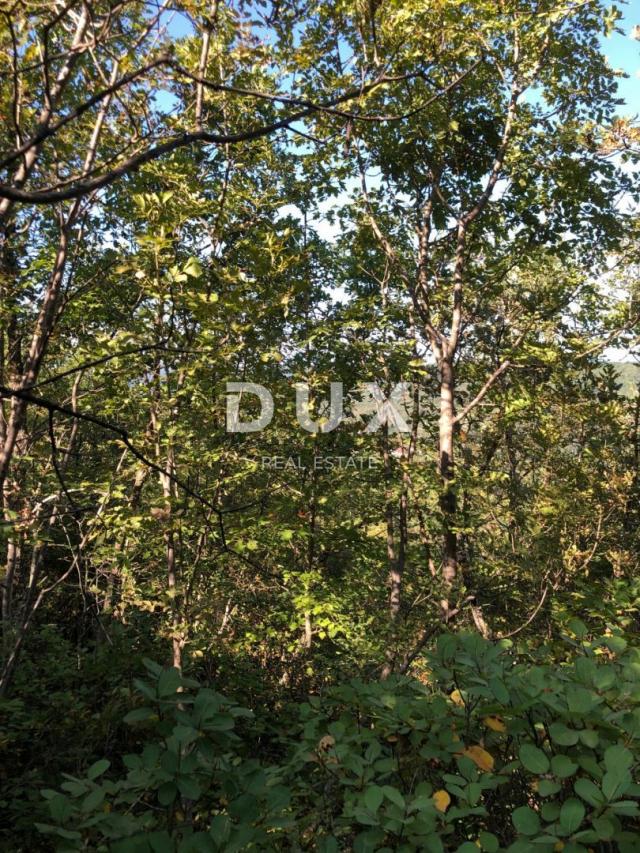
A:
446	470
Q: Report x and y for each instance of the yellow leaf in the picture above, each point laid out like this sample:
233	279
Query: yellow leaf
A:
496	724
441	800
456	698
559	845
480	757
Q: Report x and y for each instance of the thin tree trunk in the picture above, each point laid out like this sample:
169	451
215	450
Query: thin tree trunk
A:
395	579
447	471
311	558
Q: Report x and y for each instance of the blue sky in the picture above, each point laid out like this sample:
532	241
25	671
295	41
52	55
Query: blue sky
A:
624	52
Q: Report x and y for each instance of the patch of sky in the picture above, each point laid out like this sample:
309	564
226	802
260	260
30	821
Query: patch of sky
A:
622	49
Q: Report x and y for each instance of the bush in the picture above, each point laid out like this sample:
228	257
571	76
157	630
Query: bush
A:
488	750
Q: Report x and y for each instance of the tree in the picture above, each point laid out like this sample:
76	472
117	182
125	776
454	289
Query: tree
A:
487	180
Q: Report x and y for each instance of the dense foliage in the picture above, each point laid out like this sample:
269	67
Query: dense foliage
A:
417	628
483	750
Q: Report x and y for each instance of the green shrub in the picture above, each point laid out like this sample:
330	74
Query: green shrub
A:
488	750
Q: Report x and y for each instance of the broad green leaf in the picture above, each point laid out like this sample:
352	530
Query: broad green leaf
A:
589	792
562	766
373	797
571	815
98	768
525	820
533	758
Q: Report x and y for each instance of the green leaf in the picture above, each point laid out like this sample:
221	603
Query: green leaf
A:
589	738
563	735
589	792
328	844
534	759
547	787
625	807
219	723
579	700
489	842
139	714
93	800
152	667
373	797
577	627
70	834
499	690
550	811
192	268
615	783
618	757
98	769
615	644
167	793
433	844
526	821
562	766
169	682
188	788
571	815
60	808
604	827
446	646
160	842
394	795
